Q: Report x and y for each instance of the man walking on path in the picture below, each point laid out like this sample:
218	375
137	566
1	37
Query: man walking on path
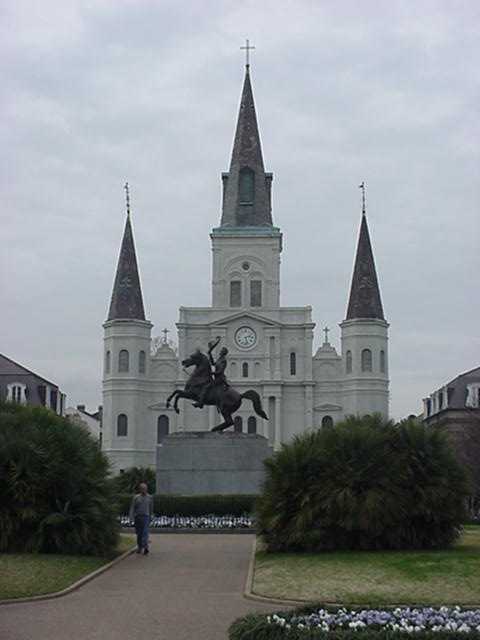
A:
141	511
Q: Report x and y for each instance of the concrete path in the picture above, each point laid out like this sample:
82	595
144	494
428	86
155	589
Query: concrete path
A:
189	588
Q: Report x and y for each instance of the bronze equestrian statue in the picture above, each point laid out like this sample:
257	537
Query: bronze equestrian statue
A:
207	389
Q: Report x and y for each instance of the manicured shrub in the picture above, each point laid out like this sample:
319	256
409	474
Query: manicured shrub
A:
55	495
363	484
128	481
234	505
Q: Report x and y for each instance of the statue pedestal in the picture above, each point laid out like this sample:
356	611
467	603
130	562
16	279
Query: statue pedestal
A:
193	463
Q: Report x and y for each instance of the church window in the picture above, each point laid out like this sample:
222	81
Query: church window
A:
238	424
123	361
349	362
252	425
429	407
440	400
327	421
141	362
366	360
293	363
107	362
16	392
256	293
382	361
247	186
163	428
245	266
235	293
245	370
122	425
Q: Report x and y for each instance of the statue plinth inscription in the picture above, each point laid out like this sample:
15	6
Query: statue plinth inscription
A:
205	463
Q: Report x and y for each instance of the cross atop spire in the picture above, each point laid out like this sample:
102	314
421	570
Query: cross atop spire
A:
247	49
363	186
127	198
326	331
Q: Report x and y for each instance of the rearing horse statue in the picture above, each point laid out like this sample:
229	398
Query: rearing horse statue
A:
228	400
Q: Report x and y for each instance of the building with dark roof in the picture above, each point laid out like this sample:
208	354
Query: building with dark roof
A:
455	407
23	386
270	346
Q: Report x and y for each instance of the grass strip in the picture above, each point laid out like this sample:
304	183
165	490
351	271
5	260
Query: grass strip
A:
24	575
375	578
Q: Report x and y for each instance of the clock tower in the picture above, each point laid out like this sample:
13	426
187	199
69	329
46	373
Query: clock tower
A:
270	347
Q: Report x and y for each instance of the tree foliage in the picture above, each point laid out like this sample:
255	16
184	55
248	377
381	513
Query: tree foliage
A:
128	481
54	490
363	484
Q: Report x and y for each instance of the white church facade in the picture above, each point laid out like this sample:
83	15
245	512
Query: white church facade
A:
270	346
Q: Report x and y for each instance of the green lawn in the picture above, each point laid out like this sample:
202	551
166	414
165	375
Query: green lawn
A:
33	574
375	578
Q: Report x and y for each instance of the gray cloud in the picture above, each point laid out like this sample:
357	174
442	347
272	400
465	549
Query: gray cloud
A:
97	93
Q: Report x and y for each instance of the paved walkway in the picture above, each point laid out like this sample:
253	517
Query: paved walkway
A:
189	588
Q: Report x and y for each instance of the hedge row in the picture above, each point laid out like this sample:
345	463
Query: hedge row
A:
234	505
256	627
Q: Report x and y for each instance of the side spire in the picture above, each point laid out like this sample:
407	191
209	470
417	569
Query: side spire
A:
246	187
365	300
127	300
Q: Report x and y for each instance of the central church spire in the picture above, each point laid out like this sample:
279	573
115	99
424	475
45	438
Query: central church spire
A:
246	187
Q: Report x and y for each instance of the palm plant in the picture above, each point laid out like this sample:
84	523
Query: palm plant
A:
54	490
364	484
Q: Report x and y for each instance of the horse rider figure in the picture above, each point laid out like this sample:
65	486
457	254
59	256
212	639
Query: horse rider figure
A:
219	381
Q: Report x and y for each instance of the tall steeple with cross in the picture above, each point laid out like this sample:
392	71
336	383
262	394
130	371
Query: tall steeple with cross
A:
127	299
246	186
365	300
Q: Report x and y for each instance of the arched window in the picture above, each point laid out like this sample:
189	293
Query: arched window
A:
366	360
252	425
293	363
327	421
238	424
163	428
247	186
256	293
349	362
122	425
107	362
123	361
245	370
382	361
142	362
235	293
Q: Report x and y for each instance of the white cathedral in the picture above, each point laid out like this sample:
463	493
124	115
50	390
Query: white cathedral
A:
270	346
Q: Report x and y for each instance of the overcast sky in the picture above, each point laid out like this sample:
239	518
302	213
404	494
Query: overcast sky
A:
94	93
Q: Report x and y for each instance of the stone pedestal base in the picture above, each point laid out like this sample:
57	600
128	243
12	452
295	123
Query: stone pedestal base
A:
204	463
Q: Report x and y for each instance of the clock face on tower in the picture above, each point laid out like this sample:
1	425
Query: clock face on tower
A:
245	338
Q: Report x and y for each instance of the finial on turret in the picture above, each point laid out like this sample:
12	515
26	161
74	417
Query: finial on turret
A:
247	48
127	198
363	186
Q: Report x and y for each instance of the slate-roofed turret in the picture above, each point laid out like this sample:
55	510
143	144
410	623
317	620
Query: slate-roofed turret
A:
365	300
246	187
127	300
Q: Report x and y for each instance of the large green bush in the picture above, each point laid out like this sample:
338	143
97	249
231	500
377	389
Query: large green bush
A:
363	484
54	490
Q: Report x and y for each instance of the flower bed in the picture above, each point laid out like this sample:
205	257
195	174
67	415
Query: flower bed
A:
195	522
316	623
